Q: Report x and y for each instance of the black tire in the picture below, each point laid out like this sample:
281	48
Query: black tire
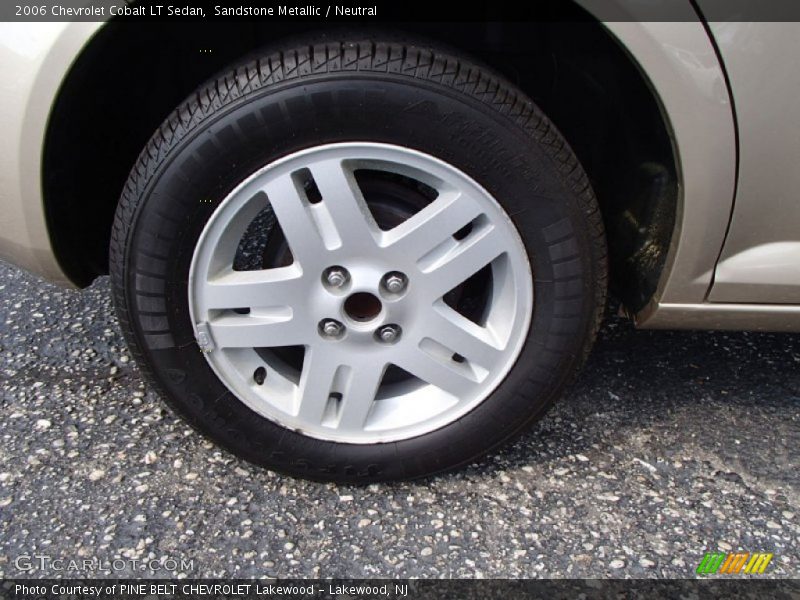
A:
348	90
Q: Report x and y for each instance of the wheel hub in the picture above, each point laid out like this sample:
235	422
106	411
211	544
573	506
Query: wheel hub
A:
362	307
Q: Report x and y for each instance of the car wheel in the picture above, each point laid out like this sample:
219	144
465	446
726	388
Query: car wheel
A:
359	260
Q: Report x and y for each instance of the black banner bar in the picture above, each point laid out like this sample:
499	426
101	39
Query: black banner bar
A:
382	11
158	589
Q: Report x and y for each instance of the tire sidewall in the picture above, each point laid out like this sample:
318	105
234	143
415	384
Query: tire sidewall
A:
254	131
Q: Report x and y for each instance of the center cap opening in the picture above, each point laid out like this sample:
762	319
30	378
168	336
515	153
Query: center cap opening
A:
362	306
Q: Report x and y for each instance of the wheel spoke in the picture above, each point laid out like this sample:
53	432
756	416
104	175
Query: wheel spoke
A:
459	263
227	244
258	331
453	330
433	225
348	213
359	394
445	374
294	215
251	289
316	383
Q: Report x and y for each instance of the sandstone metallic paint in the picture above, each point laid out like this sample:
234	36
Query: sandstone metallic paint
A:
34	59
678	60
681	64
695	101
760	261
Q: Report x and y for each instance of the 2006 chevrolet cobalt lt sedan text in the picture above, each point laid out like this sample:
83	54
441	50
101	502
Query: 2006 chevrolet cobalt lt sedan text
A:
379	255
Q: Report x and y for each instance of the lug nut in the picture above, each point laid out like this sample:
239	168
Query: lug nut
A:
336	277
331	328
388	334
395	282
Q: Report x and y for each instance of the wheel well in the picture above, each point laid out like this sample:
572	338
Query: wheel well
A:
128	79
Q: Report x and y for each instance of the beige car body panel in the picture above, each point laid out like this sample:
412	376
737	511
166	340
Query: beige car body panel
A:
678	59
760	261
681	64
34	59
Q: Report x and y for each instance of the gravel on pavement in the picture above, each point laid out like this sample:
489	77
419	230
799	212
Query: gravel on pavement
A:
670	444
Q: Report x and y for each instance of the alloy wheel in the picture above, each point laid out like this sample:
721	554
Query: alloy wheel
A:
382	349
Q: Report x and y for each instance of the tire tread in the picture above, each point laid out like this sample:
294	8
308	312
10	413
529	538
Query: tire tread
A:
308	61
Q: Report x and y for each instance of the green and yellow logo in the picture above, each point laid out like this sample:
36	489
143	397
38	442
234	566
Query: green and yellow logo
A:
734	563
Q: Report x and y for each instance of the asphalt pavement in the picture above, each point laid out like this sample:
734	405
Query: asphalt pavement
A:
670	445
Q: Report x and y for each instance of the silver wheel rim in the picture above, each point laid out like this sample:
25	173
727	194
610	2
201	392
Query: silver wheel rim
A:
447	363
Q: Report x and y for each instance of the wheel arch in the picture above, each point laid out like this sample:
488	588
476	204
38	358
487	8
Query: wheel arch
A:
144	75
